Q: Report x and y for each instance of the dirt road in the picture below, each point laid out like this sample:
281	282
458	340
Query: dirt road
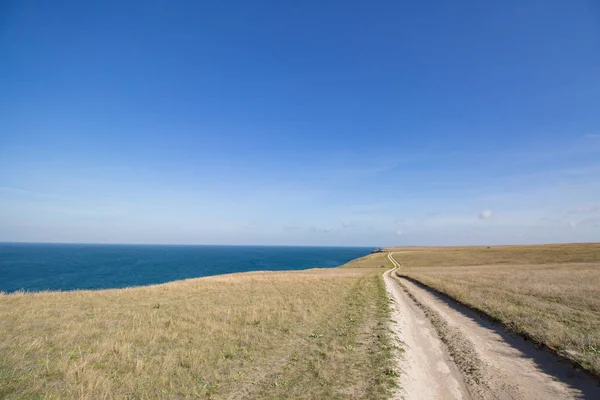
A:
451	352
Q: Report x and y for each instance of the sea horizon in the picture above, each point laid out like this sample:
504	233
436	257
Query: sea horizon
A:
185	244
34	267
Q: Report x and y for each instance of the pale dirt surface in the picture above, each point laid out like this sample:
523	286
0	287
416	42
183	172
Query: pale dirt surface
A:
512	368
427	372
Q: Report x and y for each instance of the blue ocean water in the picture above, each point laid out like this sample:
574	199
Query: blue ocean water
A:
35	267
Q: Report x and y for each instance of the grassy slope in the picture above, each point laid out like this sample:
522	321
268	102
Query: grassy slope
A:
303	334
550	293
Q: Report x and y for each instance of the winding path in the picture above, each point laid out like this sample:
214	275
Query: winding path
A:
509	366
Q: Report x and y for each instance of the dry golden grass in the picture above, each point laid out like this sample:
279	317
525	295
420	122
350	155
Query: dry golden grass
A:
304	334
550	293
493	255
371	261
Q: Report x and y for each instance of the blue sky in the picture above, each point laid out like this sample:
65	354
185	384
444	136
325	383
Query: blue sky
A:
305	123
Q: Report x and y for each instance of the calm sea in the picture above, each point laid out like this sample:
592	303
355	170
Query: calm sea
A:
34	267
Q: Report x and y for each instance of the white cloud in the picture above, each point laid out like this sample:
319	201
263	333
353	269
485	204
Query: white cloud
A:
572	224
399	232
291	228
593	135
316	229
485	214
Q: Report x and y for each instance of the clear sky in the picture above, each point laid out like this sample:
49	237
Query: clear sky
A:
300	122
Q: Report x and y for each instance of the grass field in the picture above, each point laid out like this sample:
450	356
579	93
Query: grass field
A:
551	293
318	333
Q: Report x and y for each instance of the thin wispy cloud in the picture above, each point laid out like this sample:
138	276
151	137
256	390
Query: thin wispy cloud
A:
368	207
348	226
9	189
593	222
316	229
584	209
291	228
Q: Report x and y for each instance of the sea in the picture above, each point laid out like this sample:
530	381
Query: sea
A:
36	267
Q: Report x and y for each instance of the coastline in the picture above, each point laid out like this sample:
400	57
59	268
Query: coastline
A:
58	267
260	334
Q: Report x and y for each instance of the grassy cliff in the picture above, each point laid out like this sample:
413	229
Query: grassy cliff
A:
318	333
